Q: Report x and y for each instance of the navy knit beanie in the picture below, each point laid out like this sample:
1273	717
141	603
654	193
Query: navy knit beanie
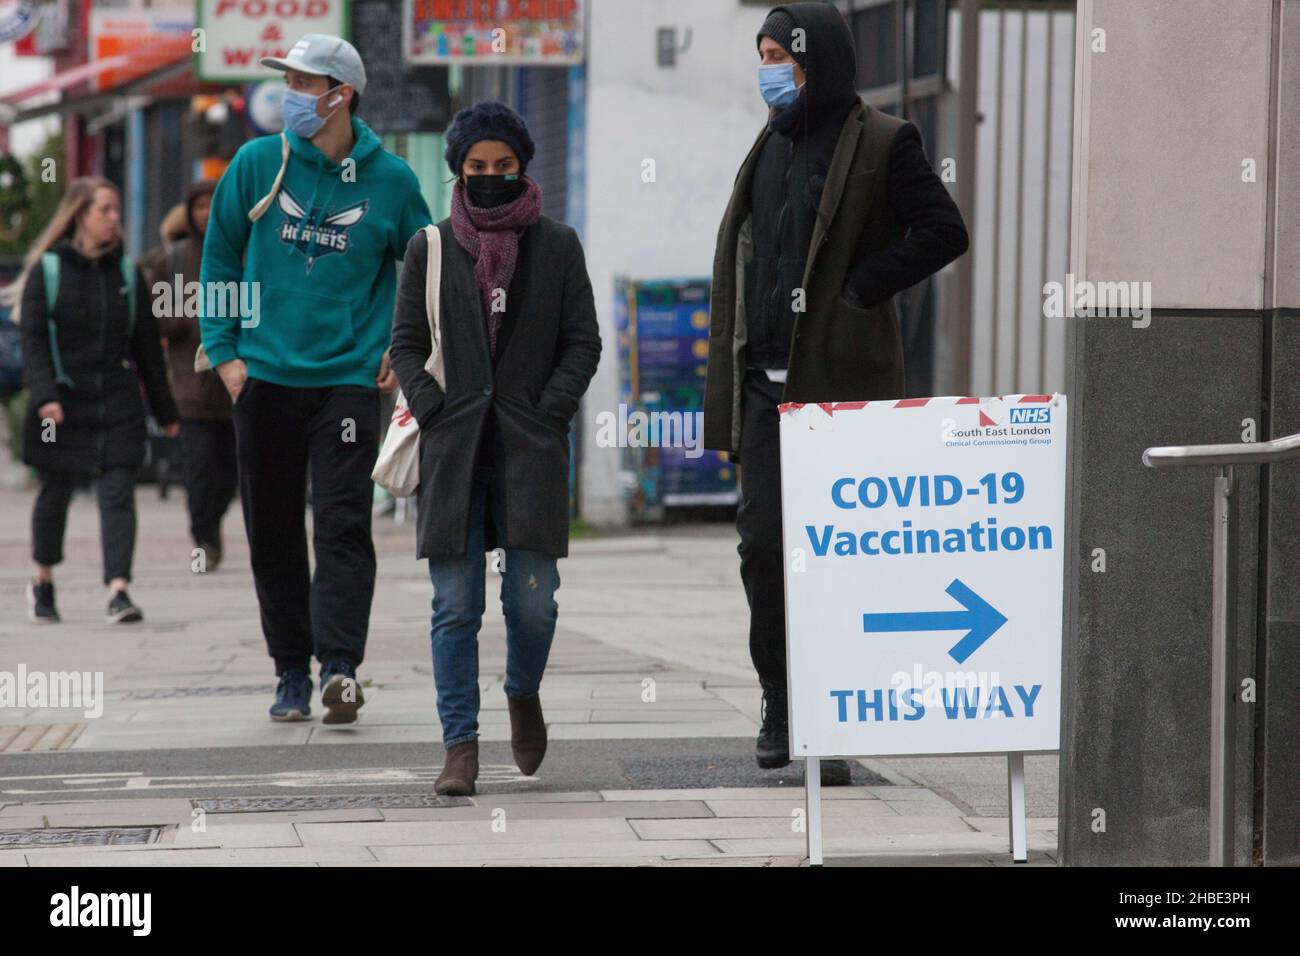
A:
487	120
780	26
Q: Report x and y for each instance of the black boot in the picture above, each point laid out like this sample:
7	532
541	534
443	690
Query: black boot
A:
772	750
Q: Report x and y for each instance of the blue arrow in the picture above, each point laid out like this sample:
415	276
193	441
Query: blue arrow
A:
979	619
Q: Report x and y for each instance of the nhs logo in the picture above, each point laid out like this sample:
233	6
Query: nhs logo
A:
1031	416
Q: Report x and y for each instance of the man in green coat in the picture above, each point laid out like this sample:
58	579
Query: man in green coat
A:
835	210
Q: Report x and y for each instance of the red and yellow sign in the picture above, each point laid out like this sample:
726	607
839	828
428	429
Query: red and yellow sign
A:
144	40
493	31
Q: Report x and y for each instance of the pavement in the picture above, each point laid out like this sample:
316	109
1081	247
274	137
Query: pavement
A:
650	700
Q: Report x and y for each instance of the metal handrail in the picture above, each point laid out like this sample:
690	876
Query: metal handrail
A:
1223	682
1246	453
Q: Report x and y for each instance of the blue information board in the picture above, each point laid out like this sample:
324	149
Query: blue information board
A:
663	340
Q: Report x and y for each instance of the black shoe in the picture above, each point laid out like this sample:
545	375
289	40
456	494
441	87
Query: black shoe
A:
122	611
292	696
836	773
211	554
340	692
772	750
40	602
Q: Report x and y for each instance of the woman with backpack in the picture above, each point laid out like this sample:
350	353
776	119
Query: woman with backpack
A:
86	316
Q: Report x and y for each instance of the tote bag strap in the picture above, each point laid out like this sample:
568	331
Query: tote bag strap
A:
432	305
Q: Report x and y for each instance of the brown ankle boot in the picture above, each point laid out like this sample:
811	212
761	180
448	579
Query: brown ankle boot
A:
460	770
527	732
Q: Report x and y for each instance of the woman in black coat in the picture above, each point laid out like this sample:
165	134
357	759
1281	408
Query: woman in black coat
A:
520	344
85	417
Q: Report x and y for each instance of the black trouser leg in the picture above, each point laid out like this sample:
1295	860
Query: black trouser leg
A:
211	476
50	517
116	491
271	428
759	522
343	446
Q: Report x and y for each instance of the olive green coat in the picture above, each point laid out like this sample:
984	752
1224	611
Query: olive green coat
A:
838	352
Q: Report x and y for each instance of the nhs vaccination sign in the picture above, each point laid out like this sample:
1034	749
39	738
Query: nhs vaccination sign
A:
924	574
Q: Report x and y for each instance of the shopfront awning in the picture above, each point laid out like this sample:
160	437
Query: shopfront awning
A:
132	72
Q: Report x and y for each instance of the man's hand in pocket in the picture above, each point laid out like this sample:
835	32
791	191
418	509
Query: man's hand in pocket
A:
233	375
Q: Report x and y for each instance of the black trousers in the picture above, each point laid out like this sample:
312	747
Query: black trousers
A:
211	475
759	522
283	435
115	489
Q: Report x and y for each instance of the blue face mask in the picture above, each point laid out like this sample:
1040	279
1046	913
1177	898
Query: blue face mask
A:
776	83
299	111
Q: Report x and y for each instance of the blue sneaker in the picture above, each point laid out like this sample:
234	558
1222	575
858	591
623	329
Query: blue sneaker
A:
292	696
340	692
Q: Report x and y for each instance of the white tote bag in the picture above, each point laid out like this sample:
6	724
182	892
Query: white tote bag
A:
397	469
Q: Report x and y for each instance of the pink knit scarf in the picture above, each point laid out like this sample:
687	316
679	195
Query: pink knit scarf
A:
491	237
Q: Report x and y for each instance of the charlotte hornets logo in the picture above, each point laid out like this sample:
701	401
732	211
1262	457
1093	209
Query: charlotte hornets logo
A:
319	233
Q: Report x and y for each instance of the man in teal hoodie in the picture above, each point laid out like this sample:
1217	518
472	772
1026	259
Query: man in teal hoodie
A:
299	277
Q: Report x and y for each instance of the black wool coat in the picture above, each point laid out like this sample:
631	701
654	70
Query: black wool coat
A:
532	393
103	414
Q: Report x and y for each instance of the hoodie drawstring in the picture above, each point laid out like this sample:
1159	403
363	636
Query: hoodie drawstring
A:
311	219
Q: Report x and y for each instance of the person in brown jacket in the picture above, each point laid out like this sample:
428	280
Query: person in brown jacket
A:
174	227
207	434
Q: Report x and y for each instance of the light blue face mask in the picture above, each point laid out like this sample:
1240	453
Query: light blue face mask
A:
299	111
776	83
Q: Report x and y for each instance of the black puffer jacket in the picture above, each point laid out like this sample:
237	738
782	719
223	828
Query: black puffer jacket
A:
103	415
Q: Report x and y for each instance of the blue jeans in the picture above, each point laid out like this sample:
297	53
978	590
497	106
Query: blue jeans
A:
529	580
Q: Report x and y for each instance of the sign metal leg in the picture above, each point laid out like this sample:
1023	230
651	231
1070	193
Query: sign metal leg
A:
812	777
1016	806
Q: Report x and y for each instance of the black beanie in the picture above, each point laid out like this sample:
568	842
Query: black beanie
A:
779	25
487	120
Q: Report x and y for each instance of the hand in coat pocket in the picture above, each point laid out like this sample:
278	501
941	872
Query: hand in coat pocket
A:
537	412
559	424
850	297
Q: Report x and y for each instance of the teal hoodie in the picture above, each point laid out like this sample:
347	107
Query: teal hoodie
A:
319	264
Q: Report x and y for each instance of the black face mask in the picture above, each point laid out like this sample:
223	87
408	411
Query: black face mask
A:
488	192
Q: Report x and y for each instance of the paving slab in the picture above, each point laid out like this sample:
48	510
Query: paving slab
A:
253	856
545	851
432	833
757	828
234	836
488	809
838	809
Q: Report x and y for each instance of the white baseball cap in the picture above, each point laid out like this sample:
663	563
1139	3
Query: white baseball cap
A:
323	55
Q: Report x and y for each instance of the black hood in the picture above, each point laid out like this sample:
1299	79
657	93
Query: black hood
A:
829	61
